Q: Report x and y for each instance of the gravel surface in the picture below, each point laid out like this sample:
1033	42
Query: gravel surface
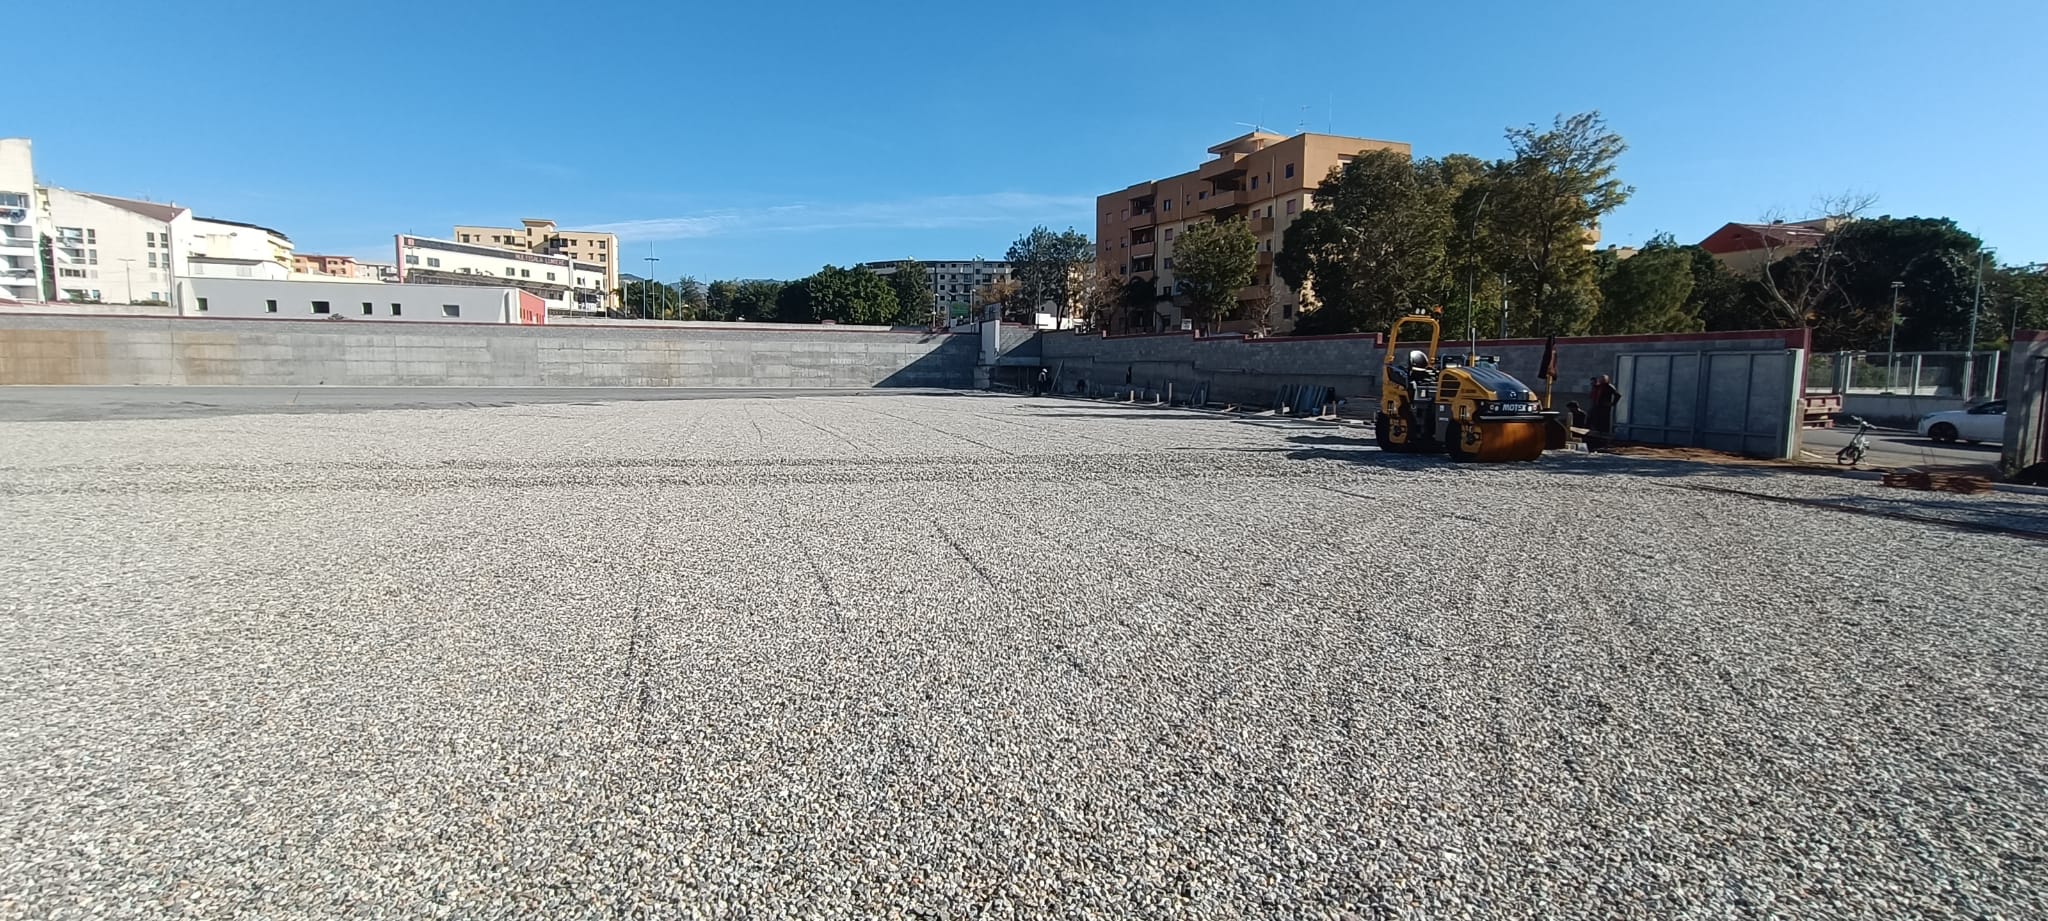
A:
976	656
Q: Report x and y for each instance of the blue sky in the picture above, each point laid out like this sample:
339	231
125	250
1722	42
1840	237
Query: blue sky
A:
767	138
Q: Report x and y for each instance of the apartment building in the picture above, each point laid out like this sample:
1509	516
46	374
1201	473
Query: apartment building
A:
536	235
111	250
211	247
1745	249
567	285
316	264
952	282
20	223
1268	179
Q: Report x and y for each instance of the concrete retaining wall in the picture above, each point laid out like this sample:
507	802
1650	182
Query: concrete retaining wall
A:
38	349
1251	371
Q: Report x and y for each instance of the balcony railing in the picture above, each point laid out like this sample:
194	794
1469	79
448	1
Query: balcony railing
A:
1144	218
1263	225
1146	248
1224	165
1221	201
8	240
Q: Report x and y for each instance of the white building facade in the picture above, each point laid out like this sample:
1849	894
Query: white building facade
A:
20	224
568	287
347	300
110	250
206	247
952	282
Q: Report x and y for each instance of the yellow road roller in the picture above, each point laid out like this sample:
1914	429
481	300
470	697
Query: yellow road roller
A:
1467	408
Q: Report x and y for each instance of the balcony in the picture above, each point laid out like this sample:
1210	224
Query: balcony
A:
1229	164
1263	225
1221	201
1265	260
1145	218
1254	293
14	242
1146	248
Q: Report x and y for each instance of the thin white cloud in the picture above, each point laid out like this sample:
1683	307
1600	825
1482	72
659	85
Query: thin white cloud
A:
936	212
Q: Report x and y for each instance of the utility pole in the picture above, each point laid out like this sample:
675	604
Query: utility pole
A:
1471	270
1970	344
1891	349
127	280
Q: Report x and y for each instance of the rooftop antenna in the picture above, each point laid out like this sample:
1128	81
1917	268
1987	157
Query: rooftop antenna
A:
1301	125
1330	112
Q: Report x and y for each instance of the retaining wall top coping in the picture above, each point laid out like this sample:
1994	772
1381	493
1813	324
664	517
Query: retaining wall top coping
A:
342	322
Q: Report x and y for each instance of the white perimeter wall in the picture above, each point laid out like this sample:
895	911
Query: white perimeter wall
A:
241	298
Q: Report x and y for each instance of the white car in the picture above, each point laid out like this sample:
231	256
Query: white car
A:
1980	423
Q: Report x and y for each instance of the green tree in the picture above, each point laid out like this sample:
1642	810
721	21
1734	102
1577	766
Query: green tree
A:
649	300
1050	269
742	299
1375	246
839	295
1138	303
2015	297
914	299
1543	208
695	304
1211	262
1649	292
1845	283
1724	301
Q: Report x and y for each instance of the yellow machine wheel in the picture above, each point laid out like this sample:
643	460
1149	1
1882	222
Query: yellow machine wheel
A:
1502	442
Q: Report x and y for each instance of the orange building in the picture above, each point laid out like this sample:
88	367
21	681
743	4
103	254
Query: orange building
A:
311	264
1265	178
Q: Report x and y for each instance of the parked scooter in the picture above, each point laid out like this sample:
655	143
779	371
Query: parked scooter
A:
1859	445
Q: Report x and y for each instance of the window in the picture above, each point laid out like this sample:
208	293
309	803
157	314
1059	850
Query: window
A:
508	271
1201	195
202	305
397	309
1287	311
1169	233
1168	262
433	262
71	273
451	310
1288	173
1166	205
465	238
269	306
412	260
1293	205
551	276
322	307
95	294
92	257
525	273
600	244
150	236
152	259
92	236
369	308
1255	182
156	295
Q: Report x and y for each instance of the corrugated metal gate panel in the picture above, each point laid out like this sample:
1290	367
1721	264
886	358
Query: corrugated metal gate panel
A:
1741	402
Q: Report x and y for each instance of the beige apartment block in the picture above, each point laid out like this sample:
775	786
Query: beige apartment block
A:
535	235
1266	178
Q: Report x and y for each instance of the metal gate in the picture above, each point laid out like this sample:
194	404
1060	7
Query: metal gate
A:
1740	402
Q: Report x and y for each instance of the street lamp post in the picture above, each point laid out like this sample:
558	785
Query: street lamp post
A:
647	285
127	280
1891	357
